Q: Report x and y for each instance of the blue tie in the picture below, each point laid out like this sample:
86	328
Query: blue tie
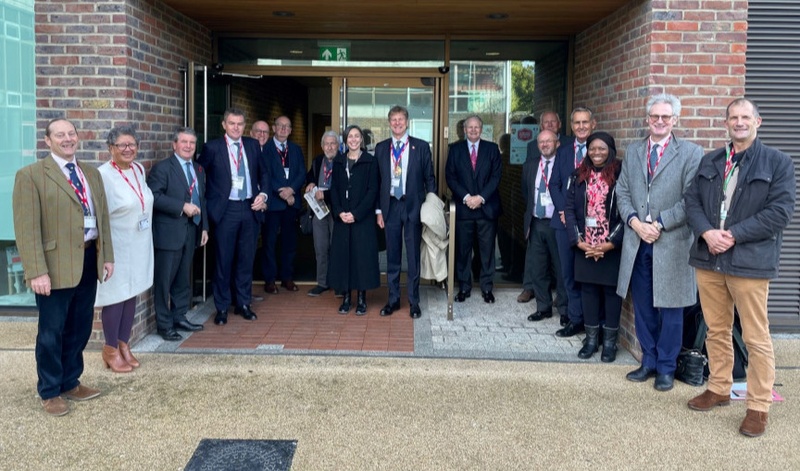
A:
653	162
579	155
243	191
76	182
195	192
398	190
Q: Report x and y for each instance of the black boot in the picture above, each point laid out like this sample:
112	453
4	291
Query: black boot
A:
609	345
590	343
345	307
361	307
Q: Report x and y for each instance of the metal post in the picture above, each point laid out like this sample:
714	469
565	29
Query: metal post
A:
451	262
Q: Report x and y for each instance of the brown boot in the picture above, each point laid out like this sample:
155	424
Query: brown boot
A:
708	400
754	423
125	351
113	360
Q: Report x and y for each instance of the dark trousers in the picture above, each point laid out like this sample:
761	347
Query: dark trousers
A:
399	229
659	330
65	324
234	240
171	287
285	222
542	262
486	232
599	299
118	321
567	258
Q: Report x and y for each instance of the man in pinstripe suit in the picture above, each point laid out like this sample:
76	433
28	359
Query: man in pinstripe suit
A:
64	240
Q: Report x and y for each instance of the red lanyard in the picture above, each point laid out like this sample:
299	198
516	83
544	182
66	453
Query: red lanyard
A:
546	178
233	157
327	169
576	146
651	171
140	193
283	153
81	194
397	155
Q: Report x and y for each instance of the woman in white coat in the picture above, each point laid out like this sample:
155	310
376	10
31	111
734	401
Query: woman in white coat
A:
130	209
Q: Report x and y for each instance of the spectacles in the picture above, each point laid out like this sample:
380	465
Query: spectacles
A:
283	126
654	118
126	146
261	131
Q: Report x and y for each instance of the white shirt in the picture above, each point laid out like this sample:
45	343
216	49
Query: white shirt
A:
543	162
62	164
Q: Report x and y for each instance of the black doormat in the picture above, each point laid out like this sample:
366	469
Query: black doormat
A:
243	455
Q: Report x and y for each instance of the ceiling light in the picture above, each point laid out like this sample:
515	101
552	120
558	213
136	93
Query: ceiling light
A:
497	16
492	53
295	51
283	14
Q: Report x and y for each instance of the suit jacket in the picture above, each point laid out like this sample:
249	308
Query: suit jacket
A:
215	160
563	167
297	174
48	223
483	181
167	181
672	274
529	170
419	178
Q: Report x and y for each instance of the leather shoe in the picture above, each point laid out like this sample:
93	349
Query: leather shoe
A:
271	288
564	320
525	296
461	296
170	335
188	326
754	423
488	297
55	406
641	374
708	400
81	393
664	382
221	318
570	329
245	312
390	308
289	285
538	316
415	312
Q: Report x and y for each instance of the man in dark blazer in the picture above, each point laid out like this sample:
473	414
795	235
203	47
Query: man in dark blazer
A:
568	158
64	240
473	173
288	173
180	224
237	183
406	171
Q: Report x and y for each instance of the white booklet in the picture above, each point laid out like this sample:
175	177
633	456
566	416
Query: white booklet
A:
318	206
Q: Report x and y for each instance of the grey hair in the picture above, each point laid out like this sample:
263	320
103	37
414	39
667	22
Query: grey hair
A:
330	133
122	130
473	116
581	109
180	131
741	101
667	98
541	116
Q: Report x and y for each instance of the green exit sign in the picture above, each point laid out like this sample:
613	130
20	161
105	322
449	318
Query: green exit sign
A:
334	54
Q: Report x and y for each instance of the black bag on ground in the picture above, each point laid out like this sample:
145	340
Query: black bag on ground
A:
306	218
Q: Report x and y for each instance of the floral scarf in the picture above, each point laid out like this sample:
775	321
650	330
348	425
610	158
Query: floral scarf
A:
596	194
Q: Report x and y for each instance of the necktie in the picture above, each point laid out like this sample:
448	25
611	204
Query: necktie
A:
243	190
195	194
76	182
541	211
398	190
473	157
653	162
579	155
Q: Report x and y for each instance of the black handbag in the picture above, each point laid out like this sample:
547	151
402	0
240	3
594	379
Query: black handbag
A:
306	218
692	362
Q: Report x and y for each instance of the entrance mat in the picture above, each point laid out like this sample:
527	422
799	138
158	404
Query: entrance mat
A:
242	455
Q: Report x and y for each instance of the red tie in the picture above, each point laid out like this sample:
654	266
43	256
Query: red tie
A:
473	157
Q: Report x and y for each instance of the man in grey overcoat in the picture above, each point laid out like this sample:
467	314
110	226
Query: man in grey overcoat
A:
655	174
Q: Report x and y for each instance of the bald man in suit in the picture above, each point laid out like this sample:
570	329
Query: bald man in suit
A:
64	240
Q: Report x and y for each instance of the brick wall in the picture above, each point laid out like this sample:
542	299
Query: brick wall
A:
692	49
105	63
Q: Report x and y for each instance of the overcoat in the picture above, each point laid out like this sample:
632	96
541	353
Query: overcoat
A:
673	279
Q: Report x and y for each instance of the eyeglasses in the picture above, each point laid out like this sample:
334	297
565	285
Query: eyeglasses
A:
261	131
126	146
283	126
654	118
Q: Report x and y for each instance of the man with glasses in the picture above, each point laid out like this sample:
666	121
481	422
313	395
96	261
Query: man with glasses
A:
260	132
655	174
288	166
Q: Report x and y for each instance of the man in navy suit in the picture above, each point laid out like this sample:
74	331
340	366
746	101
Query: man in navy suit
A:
568	158
237	183
288	167
406	177
473	173
180	224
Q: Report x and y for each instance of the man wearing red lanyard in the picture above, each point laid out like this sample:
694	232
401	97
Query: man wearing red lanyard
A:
541	256
655	174
407	177
288	173
236	196
738	205
65	249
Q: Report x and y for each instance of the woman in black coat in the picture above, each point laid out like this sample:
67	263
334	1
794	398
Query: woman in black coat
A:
354	249
595	231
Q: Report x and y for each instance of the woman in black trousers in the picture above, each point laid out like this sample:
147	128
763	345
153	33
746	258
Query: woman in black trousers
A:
595	231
